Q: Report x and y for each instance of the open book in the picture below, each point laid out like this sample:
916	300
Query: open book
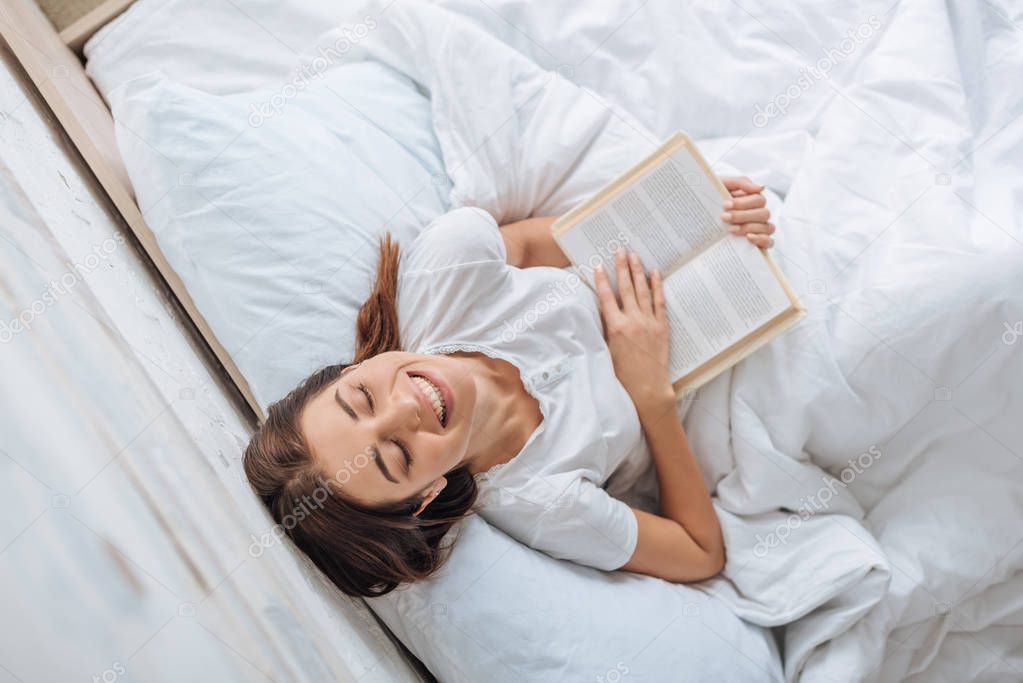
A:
725	297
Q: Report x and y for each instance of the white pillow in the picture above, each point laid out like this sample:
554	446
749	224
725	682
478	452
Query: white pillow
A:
501	611
217	46
272	220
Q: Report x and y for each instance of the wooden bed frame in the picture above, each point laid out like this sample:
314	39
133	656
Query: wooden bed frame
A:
53	62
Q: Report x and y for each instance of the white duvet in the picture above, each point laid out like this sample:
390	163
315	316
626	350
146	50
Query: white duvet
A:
868	465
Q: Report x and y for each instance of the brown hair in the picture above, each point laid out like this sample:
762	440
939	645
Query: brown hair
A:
365	550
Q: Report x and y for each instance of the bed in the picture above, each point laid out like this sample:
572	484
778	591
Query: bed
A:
866	466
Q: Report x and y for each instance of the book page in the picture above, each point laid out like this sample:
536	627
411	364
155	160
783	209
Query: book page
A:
717	299
668	214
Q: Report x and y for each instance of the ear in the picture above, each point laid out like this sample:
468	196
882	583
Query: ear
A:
431	493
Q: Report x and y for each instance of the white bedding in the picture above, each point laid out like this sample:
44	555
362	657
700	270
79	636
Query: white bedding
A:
900	229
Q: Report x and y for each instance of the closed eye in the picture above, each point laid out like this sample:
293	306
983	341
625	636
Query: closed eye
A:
404	452
404	449
369	397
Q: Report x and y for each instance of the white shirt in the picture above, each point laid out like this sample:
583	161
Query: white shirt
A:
456	292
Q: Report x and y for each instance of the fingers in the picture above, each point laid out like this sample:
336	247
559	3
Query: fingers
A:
640	285
733	183
746	201
748	216
761	241
625	289
752	229
657	284
605	295
758	228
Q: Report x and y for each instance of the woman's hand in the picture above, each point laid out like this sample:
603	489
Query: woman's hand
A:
747	212
637	331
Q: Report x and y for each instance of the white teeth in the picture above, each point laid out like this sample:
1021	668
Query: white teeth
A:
436	398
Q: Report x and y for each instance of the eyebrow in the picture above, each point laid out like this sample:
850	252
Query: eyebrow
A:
380	463
373	448
344	404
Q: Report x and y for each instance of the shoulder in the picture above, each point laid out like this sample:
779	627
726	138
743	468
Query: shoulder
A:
463	236
452	281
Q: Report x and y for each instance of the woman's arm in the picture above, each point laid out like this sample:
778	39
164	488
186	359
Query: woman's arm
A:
685	544
529	243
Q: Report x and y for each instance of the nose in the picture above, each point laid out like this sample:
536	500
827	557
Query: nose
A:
403	411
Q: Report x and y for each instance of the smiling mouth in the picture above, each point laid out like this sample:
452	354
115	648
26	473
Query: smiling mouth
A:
434	396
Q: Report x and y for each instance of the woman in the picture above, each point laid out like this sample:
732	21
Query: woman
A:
524	400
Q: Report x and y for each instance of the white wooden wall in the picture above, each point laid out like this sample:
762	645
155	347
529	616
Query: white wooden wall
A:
126	551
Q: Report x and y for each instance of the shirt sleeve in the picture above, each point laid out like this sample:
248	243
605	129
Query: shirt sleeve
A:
451	274
464	236
582	523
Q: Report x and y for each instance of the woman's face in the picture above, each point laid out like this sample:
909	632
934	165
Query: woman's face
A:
355	426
